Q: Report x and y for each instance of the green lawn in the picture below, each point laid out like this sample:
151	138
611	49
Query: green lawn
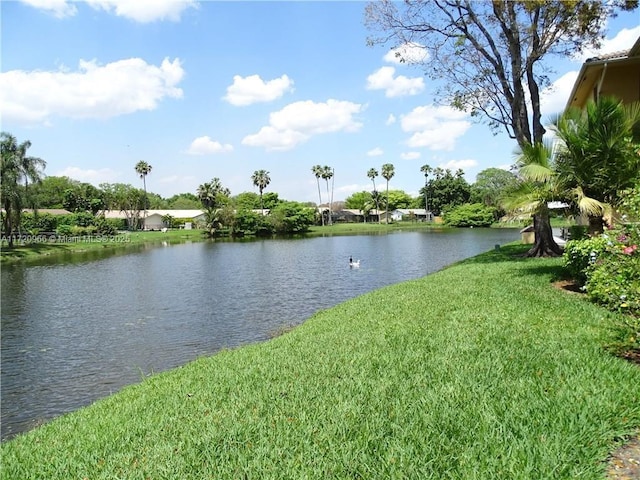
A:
483	370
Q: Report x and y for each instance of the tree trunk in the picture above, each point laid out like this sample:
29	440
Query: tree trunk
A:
544	245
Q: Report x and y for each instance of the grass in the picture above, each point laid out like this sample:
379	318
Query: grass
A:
482	370
32	251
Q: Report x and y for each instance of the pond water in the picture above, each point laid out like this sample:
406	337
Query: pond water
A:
76	331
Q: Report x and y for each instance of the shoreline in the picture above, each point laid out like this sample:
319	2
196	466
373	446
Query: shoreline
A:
391	383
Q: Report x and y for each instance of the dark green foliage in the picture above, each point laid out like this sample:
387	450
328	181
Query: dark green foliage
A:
469	215
106	226
40	222
291	217
580	254
248	222
446	190
184	201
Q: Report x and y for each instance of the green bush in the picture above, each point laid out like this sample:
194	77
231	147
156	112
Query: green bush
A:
78	231
608	268
469	215
41	222
580	254
106	226
578	232
248	222
64	229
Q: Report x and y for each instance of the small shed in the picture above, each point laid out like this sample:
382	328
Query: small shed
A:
528	235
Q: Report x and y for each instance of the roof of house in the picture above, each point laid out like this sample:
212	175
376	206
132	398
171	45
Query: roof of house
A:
594	69
162	213
51	211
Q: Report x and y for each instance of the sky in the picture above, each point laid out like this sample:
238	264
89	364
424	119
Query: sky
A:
222	89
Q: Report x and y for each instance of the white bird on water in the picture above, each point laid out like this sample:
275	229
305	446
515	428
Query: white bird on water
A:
354	263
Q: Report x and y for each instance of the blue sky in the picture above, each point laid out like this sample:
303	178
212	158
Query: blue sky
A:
221	89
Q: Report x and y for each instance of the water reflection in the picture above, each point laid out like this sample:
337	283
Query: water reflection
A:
77	331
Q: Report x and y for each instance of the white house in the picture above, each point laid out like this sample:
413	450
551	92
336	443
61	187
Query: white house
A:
418	214
153	218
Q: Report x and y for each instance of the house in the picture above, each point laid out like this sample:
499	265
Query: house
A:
409	214
614	74
154	218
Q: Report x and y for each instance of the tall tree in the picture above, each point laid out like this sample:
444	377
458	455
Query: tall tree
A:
126	199
372	173
16	167
261	180
317	171
447	190
213	196
491	55
143	169
490	185
494	57
327	174
598	155
388	171
426	170
538	186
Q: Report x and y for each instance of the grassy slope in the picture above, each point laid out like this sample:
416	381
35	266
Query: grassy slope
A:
482	370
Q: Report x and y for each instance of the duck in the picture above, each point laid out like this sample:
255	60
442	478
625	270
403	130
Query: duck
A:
354	263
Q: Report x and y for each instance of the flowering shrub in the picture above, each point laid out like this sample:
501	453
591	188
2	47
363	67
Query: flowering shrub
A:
613	279
608	266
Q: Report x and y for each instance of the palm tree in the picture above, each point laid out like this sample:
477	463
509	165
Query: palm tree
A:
538	186
327	174
372	173
317	171
212	195
388	171
426	169
596	158
15	167
143	169
260	179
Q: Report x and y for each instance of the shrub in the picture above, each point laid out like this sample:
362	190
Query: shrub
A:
78	231
580	254
608	267
469	215
40	222
578	232
64	229
106	226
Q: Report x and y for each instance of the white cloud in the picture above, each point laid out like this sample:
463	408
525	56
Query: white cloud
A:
623	40
383	79
93	176
252	89
554	98
205	146
57	8
410	155
375	152
273	139
456	164
410	53
93	91
143	11
436	128
391	119
298	121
